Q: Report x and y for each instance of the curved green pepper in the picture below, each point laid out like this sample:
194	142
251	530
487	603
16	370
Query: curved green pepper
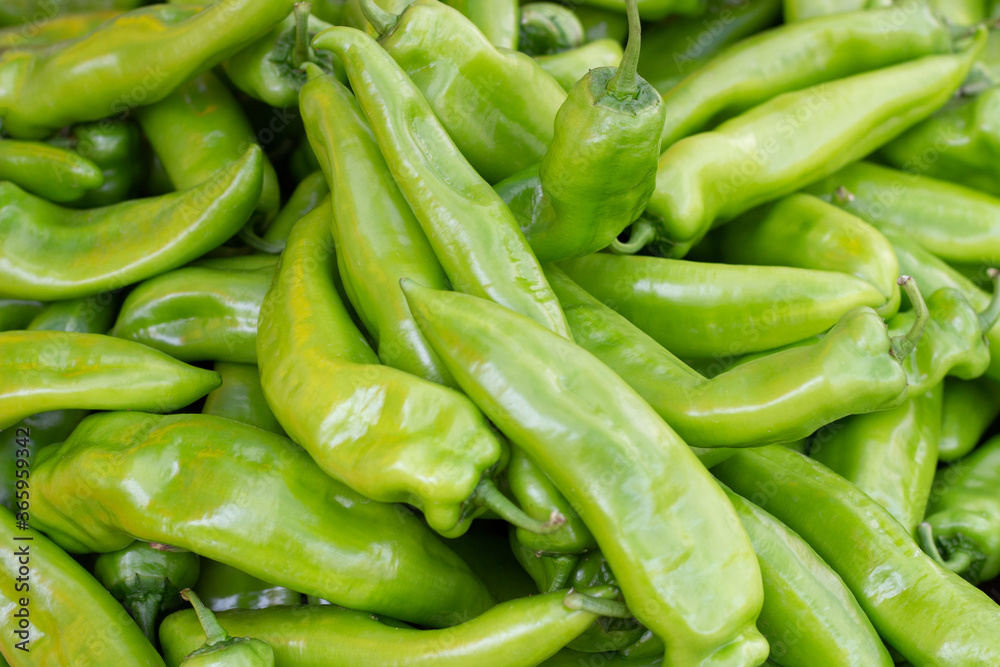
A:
570	66
766	153
890	455
664	526
928	614
147	580
223	587
50	370
547	28
567	206
250	499
473	233
62	615
498	106
59	28
115	146
56	174
307	195
696	309
968	409
221	650
53	253
496	19
152	52
241	398
16	314
519	633
653	10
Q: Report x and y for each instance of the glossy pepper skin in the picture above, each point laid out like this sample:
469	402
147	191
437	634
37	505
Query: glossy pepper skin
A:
147	580
498	106
519	633
377	237
697	309
56	174
201	128
547	28
954	222
931	616
307	195
221	650
269	504
56	29
570	66
52	253
155	51
73	619
968	409
197	313
115	146
806	232
849	371
678	47
599	171
891	455
473	233
49	370
498	20
770	151
633	480
222	587
240	397
962	516
421	442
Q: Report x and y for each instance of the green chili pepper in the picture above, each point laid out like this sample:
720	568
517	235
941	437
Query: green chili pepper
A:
567	206
474	235
223	587
157	479
16	314
968	409
570	66
116	147
798	10
601	24
377	237
890	455
927	614
755	403
53	253
69	619
241	398
307	195
634	481
49	370
498	106
697	309
197	313
200	128
548	28
58	28
147	580
652	10
496	19
56	174
680	46
519	633
219	649
31	11
805	232
90	314
795	139
135	59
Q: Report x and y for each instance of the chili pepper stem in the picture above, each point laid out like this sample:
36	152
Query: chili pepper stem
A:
989	317
903	345
378	17
303	51
145	612
489	496
565	564
581	602
957	562
214	632
640	234
623	84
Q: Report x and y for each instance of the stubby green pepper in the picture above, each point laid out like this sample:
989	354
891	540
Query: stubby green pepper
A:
147	579
634	481
115	146
155	51
69	618
53	253
548	28
570	66
966	412
55	29
54	173
240	397
496	19
568	206
221	650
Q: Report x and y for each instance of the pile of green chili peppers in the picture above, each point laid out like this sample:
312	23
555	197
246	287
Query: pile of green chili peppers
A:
500	333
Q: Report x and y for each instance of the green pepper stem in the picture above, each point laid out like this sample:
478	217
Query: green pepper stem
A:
488	495
564	566
378	17
303	52
957	562
580	602
989	317
145	612
214	632
640	234
624	84
903	345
